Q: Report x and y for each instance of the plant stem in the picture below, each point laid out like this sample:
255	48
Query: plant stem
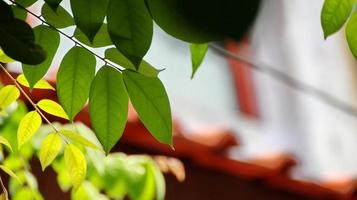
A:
4	190
28	98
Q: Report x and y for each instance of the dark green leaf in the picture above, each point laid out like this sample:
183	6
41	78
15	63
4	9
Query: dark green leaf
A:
19	12
108	106
61	19
351	32
130	28
17	41
101	39
198	52
26	3
49	39
169	17
89	15
334	15
74	78
117	57
149	98
53	4
6	14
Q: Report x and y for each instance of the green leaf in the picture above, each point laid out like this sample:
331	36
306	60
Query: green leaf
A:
198	52
19	12
9	172
159	181
76	137
18	42
108	106
53	4
26	3
5	142
28	126
130	28
101	39
89	15
334	15
49	150
149	98
117	57
4	58
8	95
41	84
59	19
52	107
74	77
76	165
168	15
49	39
351	31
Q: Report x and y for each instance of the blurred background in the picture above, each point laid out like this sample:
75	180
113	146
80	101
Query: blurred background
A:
271	115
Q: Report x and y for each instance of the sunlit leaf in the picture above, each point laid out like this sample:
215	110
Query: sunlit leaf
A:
74	78
49	39
101	39
9	172
49	150
198	52
28	126
149	98
41	84
5	142
4	58
3	114
108	106
52	107
76	137
117	57
334	15
130	28
76	165
53	4
59	19
89	15
8	95
351	31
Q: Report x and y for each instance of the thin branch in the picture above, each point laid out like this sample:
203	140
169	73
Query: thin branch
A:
67	36
4	189
31	102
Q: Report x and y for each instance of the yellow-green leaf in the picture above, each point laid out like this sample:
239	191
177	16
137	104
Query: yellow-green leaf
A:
9	172
41	84
5	142
3	114
4	58
76	137
76	165
28	126
50	148
52	107
8	95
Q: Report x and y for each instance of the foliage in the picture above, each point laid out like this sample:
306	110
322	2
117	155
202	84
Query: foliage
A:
334	14
124	28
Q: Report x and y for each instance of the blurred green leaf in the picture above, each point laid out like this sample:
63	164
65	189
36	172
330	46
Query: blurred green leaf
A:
334	15
198	52
53	4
